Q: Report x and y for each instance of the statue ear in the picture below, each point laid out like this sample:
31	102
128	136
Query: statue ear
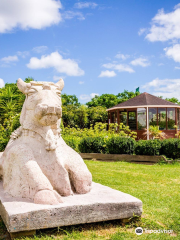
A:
60	84
22	85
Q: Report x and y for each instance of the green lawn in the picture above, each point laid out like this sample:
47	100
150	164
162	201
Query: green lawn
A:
158	186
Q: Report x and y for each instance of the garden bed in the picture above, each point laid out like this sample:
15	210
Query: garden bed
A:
141	159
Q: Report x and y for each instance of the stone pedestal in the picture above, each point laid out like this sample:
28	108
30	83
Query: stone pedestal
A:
101	204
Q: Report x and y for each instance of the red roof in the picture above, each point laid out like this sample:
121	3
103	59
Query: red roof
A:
145	99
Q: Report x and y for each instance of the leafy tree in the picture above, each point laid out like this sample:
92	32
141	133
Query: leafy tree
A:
110	100
68	115
69	100
173	100
97	114
105	100
81	116
124	96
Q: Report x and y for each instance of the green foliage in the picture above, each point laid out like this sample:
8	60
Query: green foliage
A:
8	126
97	114
155	133
11	102
148	147
98	134
75	116
171	148
82	116
126	95
105	100
173	100
72	141
99	129
121	130
4	138
120	145
92	145
110	100
69	100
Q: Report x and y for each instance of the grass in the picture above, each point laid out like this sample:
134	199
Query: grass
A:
156	185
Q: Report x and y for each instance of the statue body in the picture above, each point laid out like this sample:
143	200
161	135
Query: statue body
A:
37	164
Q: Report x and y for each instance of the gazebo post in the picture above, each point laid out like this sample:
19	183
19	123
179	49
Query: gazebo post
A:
147	119
118	120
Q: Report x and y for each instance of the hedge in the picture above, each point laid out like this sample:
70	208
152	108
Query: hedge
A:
170	148
92	145
148	147
120	145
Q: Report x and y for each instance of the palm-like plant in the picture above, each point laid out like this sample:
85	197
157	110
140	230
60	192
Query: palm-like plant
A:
155	133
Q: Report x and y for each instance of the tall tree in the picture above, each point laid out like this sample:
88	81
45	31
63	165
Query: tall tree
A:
69	100
110	100
173	100
105	100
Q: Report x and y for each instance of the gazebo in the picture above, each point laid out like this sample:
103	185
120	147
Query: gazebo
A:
147	110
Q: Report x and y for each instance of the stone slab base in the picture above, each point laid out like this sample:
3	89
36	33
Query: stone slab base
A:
101	204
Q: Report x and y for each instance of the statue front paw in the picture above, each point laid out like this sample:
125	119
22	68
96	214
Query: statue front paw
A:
47	197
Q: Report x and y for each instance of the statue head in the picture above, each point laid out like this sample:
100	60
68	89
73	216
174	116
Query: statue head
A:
43	100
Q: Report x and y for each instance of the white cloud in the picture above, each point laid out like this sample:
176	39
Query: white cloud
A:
177	6
94	94
141	31
143	62
173	52
165	26
87	98
160	64
2	84
23	54
80	82
167	87
71	14
119	67
177	68
56	78
40	49
107	73
55	60
121	56
28	14
4	65
81	5
9	59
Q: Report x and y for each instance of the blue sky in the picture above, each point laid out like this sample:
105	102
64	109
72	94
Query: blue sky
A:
97	47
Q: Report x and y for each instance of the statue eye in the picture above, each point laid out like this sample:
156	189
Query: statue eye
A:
31	91
58	93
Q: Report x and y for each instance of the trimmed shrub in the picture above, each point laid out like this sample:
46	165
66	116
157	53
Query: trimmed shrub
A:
171	148
92	145
148	147
120	145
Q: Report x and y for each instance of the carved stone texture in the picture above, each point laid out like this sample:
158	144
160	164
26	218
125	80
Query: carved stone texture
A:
37	164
